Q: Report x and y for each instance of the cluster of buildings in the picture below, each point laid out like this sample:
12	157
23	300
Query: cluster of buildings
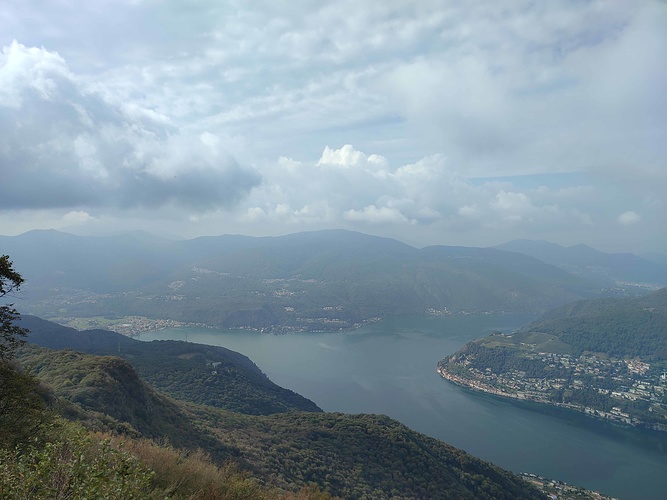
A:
129	325
624	391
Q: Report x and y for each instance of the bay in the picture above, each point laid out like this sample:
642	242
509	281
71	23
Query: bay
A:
389	367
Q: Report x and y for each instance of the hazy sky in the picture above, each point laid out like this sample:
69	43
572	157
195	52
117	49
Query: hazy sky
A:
434	122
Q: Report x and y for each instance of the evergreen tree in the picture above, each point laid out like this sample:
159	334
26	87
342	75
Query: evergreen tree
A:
10	333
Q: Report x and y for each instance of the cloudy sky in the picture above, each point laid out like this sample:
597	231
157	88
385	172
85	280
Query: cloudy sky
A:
433	122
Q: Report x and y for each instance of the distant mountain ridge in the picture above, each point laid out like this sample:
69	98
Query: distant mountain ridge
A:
582	260
322	280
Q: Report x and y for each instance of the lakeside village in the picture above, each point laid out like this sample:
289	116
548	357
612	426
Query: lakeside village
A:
127	325
559	490
133	326
623	383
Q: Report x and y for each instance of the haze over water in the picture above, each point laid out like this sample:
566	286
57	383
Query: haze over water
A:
389	368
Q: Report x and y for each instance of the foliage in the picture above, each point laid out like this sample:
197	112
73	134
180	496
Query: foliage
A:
366	456
22	400
10	332
502	359
201	374
74	465
110	396
190	474
344	455
77	464
23	405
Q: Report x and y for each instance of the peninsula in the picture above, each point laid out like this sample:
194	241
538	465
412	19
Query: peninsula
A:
605	358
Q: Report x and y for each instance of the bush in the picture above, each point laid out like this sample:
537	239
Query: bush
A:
182	474
76	466
23	408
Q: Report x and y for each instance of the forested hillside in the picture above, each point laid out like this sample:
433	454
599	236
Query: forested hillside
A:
325	280
362	456
605	357
623	328
201	374
613	270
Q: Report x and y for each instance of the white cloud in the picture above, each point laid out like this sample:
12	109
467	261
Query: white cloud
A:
174	111
63	144
77	217
345	188
512	206
375	214
347	156
629	218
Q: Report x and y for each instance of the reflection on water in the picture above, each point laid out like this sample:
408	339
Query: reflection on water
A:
389	368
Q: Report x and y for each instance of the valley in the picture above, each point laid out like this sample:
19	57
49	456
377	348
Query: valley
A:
368	319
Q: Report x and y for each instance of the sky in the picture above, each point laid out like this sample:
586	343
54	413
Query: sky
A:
433	122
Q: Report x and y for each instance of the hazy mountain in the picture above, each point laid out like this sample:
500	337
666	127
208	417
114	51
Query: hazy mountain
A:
591	264
658	258
321	280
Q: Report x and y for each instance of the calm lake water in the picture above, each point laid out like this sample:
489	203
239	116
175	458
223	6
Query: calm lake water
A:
389	368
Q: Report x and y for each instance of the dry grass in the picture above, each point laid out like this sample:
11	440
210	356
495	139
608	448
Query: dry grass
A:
189	475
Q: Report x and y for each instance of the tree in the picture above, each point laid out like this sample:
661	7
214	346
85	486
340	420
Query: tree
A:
23	404
22	399
10	333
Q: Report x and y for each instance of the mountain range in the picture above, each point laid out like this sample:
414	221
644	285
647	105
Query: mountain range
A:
323	280
607	269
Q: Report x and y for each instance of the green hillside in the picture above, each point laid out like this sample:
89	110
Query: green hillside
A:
324	280
354	456
623	328
201	374
605	357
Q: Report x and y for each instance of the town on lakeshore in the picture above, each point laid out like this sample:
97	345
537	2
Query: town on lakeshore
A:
126	325
618	390
557	490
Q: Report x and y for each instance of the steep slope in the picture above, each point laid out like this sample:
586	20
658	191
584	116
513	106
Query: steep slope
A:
352	456
369	456
106	393
201	374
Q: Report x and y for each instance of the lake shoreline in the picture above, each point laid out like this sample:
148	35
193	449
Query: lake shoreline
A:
388	368
480	387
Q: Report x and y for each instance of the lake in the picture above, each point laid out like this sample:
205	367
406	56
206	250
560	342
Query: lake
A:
389	367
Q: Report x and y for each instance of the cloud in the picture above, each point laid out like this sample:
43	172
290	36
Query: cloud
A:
66	145
375	214
347	187
467	118
77	217
500	99
347	156
629	218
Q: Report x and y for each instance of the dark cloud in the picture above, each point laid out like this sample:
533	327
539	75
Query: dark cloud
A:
64	145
